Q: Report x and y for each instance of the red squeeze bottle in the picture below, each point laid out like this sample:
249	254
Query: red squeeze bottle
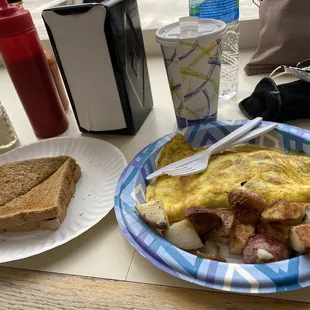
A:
28	68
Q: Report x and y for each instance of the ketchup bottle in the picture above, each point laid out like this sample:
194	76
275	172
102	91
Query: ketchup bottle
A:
28	68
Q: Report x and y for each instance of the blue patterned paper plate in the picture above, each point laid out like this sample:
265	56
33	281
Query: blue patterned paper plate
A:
280	276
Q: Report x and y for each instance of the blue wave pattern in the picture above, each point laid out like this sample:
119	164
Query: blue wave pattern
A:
261	278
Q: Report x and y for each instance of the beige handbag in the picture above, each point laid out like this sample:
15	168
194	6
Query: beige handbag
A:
284	35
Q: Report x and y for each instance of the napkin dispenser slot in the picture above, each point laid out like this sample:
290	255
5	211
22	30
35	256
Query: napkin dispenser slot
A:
100	52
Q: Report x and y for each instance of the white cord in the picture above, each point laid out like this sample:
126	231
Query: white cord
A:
279	74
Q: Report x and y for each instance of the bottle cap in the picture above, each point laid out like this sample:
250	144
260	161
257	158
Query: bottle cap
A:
13	20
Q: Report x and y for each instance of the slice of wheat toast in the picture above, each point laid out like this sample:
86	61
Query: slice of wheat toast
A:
46	201
50	224
17	178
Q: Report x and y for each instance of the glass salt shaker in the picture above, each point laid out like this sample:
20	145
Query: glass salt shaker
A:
8	137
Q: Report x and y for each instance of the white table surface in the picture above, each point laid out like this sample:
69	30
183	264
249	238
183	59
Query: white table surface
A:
103	251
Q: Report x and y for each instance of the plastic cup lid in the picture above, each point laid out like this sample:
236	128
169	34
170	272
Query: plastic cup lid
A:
207	29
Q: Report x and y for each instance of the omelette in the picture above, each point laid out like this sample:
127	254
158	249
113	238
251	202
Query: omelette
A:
270	172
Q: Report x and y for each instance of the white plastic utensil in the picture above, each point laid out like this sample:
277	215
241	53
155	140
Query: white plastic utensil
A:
201	164
254	133
245	137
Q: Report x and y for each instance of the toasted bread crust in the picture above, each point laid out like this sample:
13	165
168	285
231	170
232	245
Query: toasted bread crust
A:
51	224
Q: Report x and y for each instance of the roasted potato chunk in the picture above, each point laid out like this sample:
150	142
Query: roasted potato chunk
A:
210	247
307	213
154	213
215	257
300	238
265	228
204	220
248	206
285	212
183	235
264	249
239	237
223	232
282	228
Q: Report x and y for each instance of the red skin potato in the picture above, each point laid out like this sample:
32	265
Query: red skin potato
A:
267	243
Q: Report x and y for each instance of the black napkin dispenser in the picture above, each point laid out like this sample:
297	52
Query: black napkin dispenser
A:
100	53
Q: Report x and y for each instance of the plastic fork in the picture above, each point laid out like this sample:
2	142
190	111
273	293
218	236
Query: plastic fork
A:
250	135
255	133
245	137
218	146
201	163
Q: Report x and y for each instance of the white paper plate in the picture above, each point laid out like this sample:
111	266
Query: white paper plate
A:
101	164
